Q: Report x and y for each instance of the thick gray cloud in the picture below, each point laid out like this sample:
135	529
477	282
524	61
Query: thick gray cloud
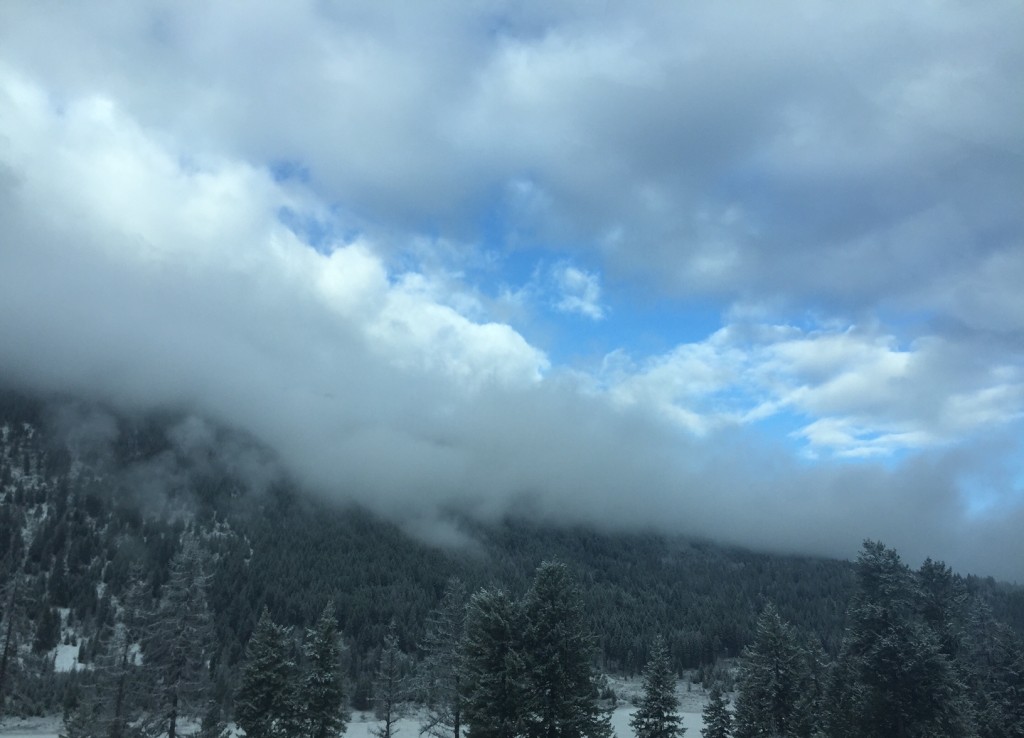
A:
847	182
842	153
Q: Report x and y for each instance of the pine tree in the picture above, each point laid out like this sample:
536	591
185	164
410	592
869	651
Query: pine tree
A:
772	681
892	679
493	673
441	666
391	690
86	719
324	713
994	666
562	685
116	671
178	644
266	702
12	625
657	715
47	634
717	718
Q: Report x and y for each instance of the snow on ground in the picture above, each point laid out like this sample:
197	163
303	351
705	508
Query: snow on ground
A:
47	727
692	721
359	727
65	658
362	723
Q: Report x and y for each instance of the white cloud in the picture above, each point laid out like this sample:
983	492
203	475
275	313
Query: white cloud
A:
775	152
116	192
580	292
860	166
863	393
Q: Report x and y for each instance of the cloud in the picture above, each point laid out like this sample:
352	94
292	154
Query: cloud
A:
856	391
775	151
842	187
581	292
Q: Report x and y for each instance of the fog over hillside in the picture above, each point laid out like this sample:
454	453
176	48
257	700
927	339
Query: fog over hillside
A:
748	276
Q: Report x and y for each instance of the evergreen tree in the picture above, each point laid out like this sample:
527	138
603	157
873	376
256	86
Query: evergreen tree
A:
892	679
493	674
12	624
657	715
47	634
772	681
178	644
266	703
943	604
116	670
85	719
391	689
324	713
717	718
994	666
562	699
441	667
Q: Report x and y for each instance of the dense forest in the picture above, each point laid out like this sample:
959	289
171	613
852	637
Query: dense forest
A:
115	526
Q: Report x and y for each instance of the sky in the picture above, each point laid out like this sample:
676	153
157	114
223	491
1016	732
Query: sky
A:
745	271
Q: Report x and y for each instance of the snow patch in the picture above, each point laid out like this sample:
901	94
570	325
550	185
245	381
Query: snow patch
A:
65	658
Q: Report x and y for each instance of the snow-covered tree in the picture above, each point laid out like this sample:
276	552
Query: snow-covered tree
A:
772	682
324	713
391	690
266	705
563	694
108	702
657	714
86	719
994	656
892	679
179	643
117	672
717	718
441	667
493	675
12	626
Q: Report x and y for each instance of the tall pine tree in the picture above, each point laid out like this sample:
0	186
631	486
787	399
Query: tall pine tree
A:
391	690
657	715
324	713
994	665
772	682
266	705
493	673
441	667
892	679
12	626
117	671
179	644
562	685
716	715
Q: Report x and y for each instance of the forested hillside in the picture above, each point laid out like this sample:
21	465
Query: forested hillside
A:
100	509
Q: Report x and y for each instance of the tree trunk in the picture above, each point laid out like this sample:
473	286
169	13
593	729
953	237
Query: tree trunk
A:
116	725
8	638
172	728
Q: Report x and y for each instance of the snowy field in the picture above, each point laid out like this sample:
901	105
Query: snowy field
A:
359	727
690	705
30	728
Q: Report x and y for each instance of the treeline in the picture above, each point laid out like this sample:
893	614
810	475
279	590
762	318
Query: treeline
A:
494	666
920	657
92	521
